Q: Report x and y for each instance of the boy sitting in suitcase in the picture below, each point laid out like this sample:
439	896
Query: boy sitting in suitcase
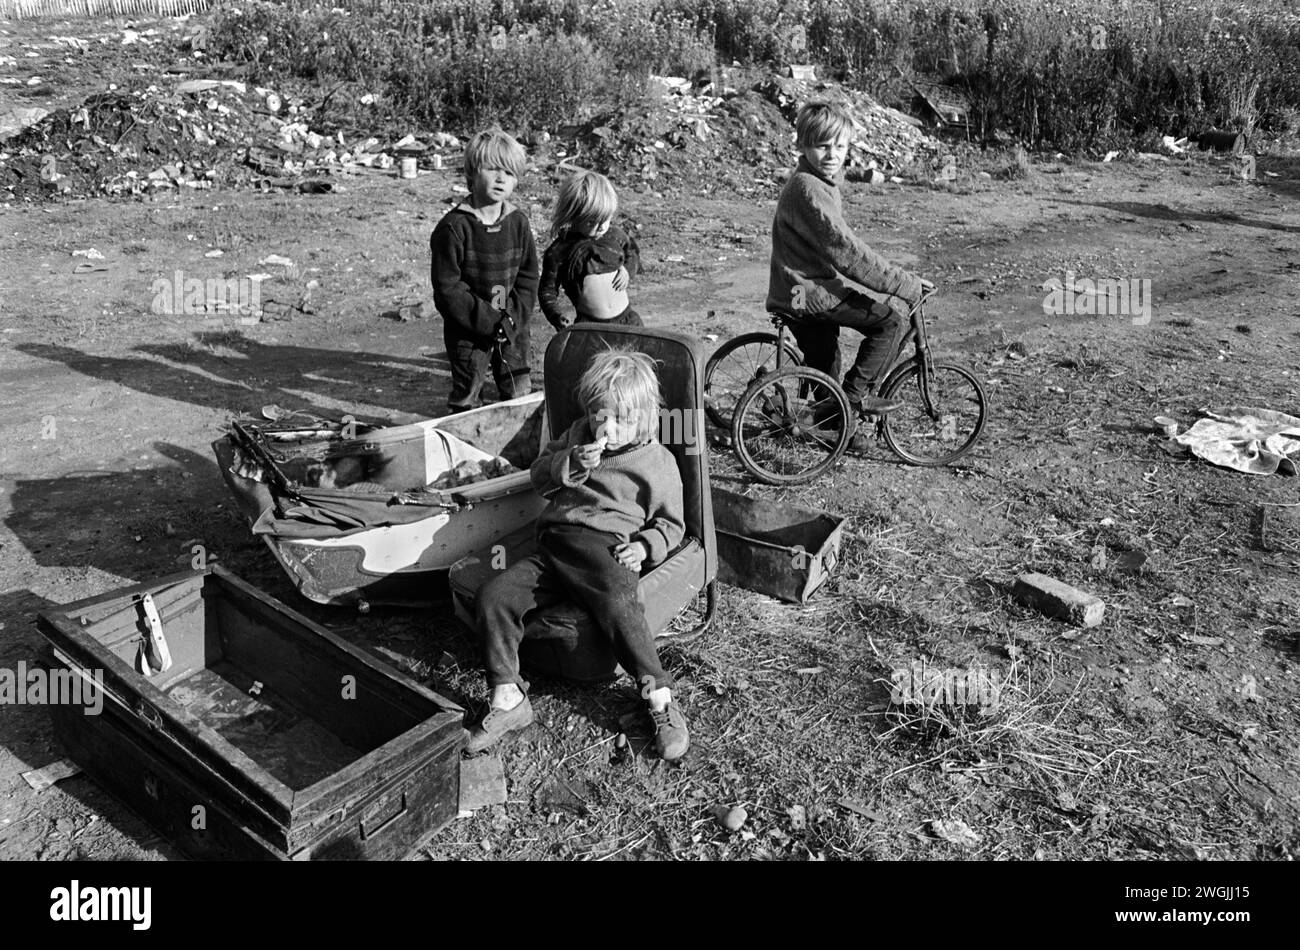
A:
814	250
615	501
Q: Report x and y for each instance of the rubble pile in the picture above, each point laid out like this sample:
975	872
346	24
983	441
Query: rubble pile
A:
882	137
192	135
737	141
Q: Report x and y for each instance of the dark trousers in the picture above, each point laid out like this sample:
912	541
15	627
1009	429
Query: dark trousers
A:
471	358
818	336
628	318
575	564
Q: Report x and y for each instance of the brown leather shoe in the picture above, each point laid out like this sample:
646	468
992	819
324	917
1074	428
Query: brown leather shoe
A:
497	723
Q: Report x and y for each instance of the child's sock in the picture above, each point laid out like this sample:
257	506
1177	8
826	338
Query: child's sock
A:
506	697
660	698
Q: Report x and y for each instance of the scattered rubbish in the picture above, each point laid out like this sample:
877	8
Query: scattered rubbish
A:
802	73
559	794
1200	640
1111	156
415	311
1176	146
15	120
1251	440
731	819
673	259
214	253
276	260
41	779
1249	688
1166	425
954	831
943	105
798	817
89	253
1233	142
1057	599
858	808
88	268
482	782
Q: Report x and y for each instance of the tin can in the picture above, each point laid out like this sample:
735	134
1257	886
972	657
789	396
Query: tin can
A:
437	162
408	168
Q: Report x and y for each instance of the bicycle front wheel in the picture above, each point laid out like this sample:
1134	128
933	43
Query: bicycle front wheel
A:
734	366
792	426
942	417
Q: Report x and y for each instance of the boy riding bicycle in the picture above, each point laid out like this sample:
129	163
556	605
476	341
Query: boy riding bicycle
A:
813	252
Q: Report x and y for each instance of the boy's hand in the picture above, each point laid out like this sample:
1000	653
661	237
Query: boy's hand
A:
621	279
631	554
587	456
927	287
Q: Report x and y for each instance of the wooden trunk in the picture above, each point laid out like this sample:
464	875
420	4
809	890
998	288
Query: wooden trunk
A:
267	737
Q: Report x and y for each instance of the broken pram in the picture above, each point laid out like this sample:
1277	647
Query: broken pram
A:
359	515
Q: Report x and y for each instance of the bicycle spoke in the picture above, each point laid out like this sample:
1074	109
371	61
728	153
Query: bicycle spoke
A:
784	446
944	430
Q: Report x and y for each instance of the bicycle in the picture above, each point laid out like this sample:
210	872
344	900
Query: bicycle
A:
790	423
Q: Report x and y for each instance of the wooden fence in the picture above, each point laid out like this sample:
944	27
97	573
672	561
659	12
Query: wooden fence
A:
31	9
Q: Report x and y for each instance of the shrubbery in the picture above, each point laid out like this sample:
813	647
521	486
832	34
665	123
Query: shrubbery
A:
1091	73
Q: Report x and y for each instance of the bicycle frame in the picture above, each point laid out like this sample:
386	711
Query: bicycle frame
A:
915	335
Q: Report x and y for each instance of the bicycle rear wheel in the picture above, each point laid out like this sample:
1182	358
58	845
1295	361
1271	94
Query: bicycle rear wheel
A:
940	421
791	426
735	365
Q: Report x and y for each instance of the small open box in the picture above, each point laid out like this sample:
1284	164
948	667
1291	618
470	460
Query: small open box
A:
779	550
266	737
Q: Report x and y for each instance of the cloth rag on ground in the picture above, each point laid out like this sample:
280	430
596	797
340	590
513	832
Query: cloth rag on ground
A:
1255	441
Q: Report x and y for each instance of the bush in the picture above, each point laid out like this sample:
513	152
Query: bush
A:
1101	72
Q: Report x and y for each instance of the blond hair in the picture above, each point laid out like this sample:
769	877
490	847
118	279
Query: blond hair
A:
819	122
622	384
494	149
585	201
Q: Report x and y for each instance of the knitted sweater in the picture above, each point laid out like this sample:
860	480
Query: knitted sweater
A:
572	257
634	493
814	249
484	274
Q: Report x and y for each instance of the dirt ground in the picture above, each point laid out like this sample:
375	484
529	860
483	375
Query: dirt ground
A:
1169	731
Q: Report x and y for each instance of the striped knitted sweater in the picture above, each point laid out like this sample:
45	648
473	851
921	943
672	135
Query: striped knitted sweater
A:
484	273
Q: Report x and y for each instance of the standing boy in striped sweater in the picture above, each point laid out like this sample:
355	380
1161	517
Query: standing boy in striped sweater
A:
485	274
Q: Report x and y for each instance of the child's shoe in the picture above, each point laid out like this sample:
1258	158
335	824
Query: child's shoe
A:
671	737
497	723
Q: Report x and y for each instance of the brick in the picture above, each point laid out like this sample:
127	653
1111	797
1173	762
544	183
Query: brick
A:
1057	599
